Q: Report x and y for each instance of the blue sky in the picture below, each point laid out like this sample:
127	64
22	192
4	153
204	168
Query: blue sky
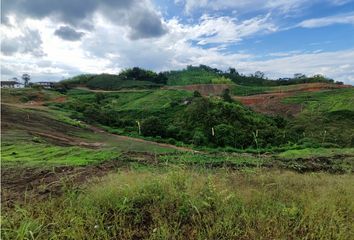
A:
279	37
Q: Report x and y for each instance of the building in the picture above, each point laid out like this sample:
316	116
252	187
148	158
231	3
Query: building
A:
46	84
10	84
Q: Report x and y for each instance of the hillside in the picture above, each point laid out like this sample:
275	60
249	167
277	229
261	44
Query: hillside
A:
123	158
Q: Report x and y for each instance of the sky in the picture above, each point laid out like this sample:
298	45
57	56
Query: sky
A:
54	40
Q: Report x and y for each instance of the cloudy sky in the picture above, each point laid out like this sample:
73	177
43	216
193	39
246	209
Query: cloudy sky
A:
52	39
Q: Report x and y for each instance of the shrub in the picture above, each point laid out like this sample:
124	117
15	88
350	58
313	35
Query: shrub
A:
152	126
199	138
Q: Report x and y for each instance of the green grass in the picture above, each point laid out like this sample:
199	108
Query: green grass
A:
115	82
23	95
192	76
45	155
241	90
325	101
180	204
203	159
316	152
326	117
159	99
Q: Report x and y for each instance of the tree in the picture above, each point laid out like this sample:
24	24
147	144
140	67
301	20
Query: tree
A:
152	126
233	71
26	79
199	138
226	95
196	94
259	74
299	76
224	135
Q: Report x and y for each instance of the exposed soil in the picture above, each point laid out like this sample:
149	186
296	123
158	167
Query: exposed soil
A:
204	89
270	104
23	184
19	184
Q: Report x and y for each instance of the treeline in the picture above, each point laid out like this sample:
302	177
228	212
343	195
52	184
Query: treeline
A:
141	78
129	78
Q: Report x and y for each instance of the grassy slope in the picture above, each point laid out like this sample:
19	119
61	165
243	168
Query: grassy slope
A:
114	82
23	144
188	77
327	116
182	204
46	155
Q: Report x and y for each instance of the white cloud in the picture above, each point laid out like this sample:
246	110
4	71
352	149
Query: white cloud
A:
108	47
326	21
227	29
338	65
283	6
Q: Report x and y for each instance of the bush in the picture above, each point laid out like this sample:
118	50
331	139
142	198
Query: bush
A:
199	138
153	126
224	135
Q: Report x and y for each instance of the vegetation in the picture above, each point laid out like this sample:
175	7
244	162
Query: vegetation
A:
175	114
46	155
181	204
326	117
180	165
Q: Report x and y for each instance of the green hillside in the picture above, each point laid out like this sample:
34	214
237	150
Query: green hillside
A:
326	116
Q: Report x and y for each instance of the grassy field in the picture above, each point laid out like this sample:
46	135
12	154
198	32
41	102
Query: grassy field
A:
190	76
326	116
28	154
241	90
184	204
325	101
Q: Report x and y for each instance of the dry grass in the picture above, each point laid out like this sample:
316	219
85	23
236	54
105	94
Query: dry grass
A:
185	204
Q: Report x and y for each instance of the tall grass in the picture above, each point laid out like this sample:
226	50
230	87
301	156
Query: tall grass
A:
185	204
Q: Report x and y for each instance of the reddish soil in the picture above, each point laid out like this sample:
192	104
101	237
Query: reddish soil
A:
204	89
270	104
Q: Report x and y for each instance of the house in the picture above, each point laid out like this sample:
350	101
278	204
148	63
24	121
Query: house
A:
46	84
10	84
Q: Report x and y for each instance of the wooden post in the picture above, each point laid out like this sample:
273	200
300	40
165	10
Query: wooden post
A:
139	129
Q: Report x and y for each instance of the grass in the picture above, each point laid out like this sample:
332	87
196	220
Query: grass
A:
156	100
191	76
241	90
325	101
185	204
45	155
326	117
316	152
22	95
115	82
203	159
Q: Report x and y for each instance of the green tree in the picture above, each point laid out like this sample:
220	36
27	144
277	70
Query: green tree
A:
199	138
224	135
226	95
152	126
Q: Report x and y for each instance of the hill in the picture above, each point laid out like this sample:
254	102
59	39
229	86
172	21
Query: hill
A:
113	163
